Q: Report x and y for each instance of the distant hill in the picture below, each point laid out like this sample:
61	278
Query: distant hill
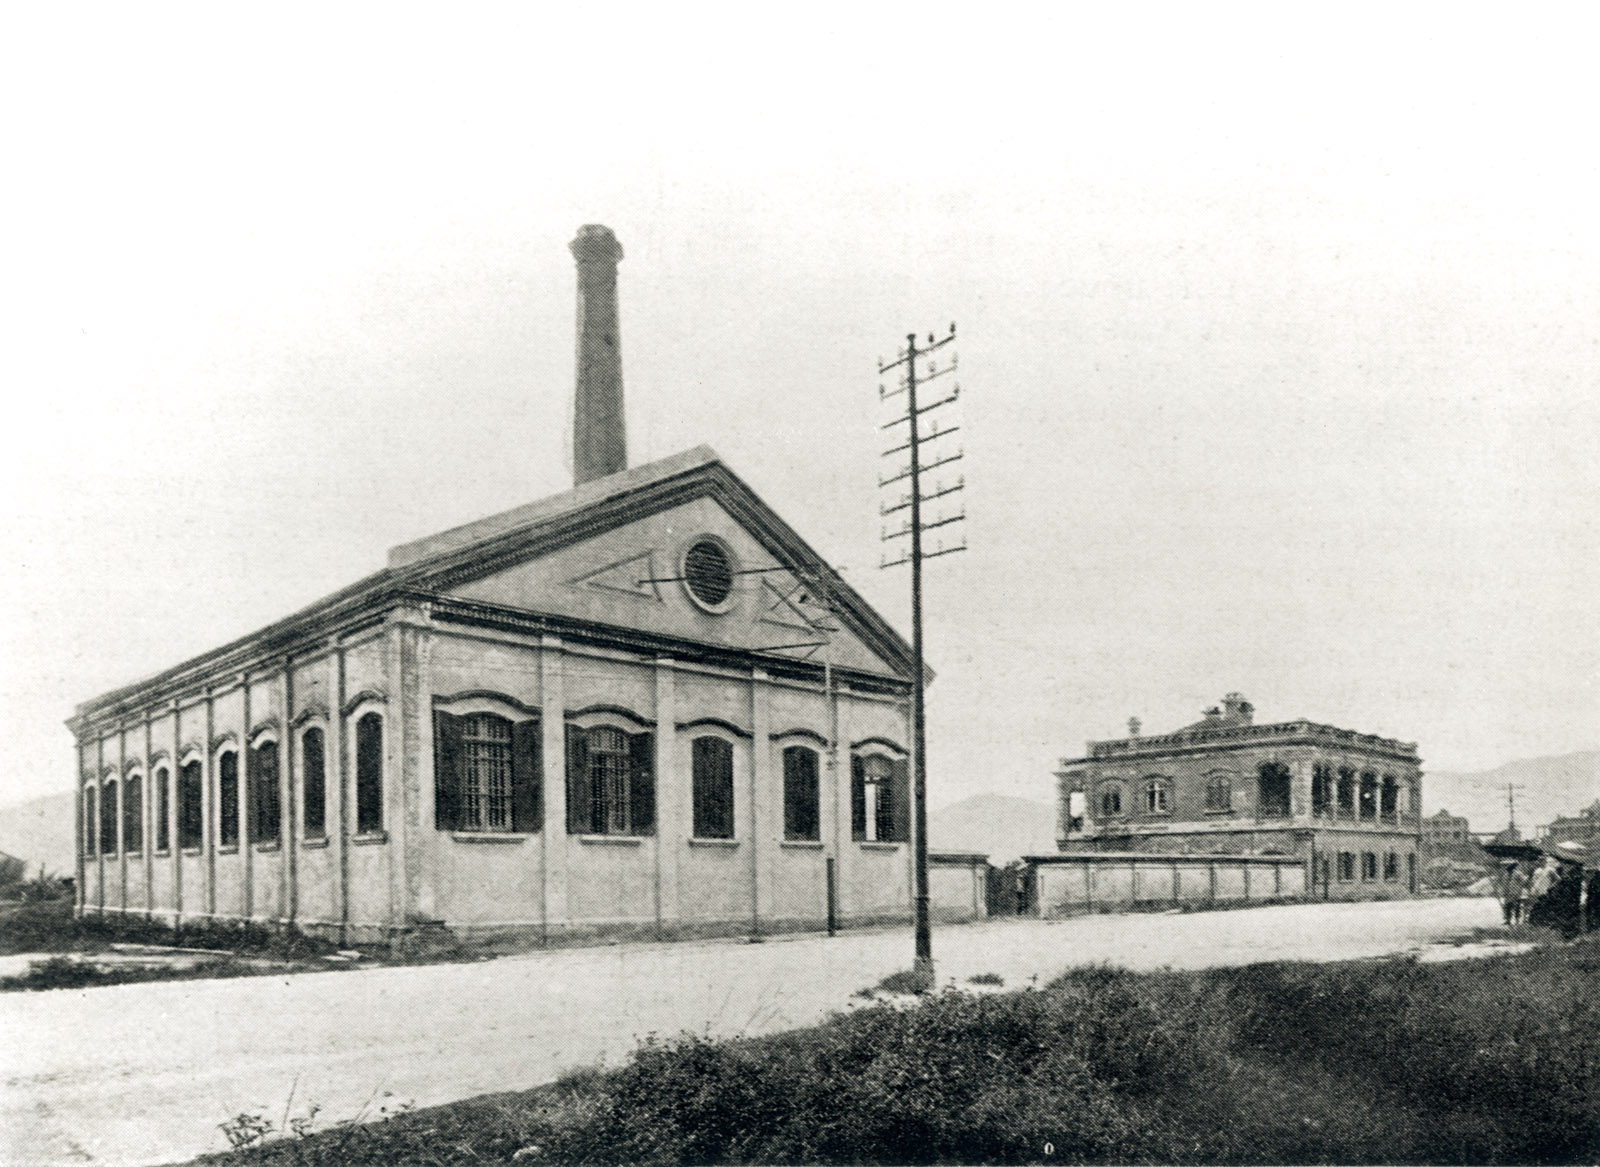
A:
40	831
1000	826
1548	788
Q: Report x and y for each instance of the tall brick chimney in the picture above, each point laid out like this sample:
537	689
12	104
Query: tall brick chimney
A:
599	437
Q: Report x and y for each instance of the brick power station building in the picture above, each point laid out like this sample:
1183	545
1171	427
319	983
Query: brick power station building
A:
645	705
1346	804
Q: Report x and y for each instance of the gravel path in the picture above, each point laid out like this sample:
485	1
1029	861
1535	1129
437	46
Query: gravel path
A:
135	1074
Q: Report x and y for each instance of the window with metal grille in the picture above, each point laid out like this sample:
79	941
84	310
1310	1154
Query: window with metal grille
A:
228	799
801	802
190	801
369	774
711	765
1219	793
486	778
314	783
160	790
609	791
267	793
133	814
108	817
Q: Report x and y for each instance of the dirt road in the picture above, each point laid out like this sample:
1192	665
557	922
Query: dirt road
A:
135	1074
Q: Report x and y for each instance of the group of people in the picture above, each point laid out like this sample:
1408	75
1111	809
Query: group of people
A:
1546	894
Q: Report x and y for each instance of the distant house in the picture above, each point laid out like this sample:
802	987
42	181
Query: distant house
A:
1445	827
1346	803
1583	827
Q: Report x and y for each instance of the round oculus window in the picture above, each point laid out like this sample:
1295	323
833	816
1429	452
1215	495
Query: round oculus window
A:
708	573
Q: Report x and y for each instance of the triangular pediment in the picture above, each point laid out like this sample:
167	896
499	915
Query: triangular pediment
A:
618	561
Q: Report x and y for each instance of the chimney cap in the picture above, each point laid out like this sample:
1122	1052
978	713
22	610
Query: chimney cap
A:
595	243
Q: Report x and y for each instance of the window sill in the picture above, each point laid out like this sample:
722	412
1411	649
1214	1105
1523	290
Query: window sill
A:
316	843
726	844
488	836
802	844
370	838
133	855
268	848
228	849
163	853
192	852
874	845
612	840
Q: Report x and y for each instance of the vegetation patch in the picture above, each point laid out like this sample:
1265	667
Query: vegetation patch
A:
1489	1061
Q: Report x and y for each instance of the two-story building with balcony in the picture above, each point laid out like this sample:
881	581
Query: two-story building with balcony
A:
1347	804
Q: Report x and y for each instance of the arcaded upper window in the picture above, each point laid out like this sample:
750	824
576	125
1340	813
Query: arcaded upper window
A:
708	573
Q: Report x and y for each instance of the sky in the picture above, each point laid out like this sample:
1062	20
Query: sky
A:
1279	331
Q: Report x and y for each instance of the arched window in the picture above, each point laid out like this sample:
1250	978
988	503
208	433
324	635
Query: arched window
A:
711	764
1111	800
108	817
880	799
161	791
369	774
267	795
801	799
488	773
314	783
610	781
1388	803
91	819
1156	796
1273	786
190	820
133	814
228	799
1219	793
1347	790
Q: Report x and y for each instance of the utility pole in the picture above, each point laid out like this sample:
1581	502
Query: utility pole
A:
914	527
1511	803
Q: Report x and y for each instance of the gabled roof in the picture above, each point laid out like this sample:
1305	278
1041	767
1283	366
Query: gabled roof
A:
424	568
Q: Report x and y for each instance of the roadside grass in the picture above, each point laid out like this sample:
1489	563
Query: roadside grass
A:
1485	1061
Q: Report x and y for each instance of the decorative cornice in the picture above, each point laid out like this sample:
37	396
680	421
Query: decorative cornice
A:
1200	741
896	747
315	711
805	733
488	695
718	723
614	710
364	697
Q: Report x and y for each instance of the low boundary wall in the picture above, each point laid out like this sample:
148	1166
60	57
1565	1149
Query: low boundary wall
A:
1071	884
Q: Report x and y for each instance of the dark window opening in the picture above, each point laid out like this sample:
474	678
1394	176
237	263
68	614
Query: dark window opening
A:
190	818
369	774
711	761
91	820
1347	866
1273	790
486	785
801	798
267	793
1347	790
1111	801
1391	867
1321	789
1155	797
228	799
108	818
133	815
1389	801
314	784
1369	795
1219	793
161	791
1369	866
